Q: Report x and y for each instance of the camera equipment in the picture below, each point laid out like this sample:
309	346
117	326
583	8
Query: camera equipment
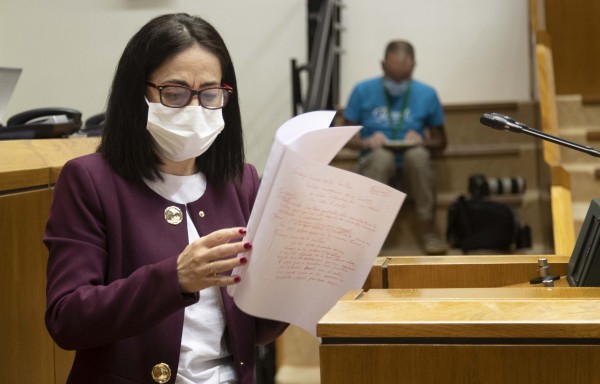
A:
481	186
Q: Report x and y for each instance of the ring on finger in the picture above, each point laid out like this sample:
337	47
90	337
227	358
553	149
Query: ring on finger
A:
211	268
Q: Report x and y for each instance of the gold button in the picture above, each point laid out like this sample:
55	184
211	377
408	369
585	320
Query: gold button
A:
161	373
173	215
201	213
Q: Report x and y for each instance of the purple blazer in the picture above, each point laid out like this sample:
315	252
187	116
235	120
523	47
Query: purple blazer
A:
112	291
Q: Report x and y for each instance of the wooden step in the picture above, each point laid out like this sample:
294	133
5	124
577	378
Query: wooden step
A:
593	134
482	150
585	136
454	166
585	185
464	128
574	112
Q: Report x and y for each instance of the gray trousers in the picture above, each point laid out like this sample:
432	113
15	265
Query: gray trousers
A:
417	177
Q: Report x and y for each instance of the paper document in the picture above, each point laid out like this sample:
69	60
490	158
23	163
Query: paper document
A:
315	229
399	144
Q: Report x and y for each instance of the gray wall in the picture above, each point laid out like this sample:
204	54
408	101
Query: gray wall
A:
472	51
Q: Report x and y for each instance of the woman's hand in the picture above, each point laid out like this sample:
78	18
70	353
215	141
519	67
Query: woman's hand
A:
201	262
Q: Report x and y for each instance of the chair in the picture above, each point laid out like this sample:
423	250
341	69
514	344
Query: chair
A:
41	123
93	126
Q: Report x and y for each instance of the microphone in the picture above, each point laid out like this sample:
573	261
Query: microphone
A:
499	121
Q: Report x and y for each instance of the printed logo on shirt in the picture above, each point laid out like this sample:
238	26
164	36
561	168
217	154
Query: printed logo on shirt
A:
381	115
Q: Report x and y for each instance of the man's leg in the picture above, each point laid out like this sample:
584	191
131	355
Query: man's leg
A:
417	173
379	164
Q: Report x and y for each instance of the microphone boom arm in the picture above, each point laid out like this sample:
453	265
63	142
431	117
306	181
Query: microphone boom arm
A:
498	121
557	140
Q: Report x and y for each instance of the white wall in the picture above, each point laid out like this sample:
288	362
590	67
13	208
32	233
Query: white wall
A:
470	50
68	50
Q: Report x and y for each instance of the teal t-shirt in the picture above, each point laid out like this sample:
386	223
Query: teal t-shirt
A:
370	107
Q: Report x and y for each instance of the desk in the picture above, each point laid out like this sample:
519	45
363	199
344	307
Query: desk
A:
28	170
464	335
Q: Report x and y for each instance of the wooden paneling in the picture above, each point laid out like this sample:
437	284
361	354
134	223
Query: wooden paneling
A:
574	28
28	169
470	271
63	360
465	364
376	278
26	350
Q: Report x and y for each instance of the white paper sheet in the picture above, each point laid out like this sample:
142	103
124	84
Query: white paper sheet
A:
315	229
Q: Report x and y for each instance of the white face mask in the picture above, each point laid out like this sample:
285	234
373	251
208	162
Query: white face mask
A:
395	88
183	133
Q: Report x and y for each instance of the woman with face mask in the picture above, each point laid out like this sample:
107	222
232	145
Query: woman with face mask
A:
144	234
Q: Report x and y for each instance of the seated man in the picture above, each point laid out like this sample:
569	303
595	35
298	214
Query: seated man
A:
402	121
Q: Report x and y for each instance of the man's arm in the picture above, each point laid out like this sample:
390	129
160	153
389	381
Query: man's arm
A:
376	140
435	138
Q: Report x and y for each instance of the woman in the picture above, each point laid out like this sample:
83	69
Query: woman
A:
143	235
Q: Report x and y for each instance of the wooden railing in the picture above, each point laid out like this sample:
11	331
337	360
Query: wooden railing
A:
560	185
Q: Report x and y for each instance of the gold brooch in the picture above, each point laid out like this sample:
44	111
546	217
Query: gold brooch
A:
173	215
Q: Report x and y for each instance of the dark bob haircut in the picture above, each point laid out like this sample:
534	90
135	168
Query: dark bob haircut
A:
126	143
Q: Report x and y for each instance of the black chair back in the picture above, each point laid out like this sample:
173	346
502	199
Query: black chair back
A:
42	123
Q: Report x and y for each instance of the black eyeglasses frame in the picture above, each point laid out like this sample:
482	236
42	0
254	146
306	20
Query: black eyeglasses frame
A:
193	93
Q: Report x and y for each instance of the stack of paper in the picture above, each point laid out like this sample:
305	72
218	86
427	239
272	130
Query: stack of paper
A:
315	229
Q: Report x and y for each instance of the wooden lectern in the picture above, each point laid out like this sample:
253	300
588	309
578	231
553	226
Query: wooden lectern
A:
463	335
28	171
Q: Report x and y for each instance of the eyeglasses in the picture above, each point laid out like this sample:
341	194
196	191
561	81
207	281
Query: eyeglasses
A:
178	96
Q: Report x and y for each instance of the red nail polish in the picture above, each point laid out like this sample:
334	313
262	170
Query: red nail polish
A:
243	231
237	279
243	260
247	245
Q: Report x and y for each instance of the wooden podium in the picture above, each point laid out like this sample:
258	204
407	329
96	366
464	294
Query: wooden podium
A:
463	335
28	171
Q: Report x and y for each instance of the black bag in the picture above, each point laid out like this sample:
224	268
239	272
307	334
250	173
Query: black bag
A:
483	224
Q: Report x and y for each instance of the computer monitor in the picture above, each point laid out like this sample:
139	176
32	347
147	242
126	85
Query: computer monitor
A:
8	82
584	265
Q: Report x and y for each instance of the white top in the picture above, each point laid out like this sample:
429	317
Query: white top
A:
203	342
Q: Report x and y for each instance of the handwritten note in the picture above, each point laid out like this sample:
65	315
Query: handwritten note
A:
315	229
